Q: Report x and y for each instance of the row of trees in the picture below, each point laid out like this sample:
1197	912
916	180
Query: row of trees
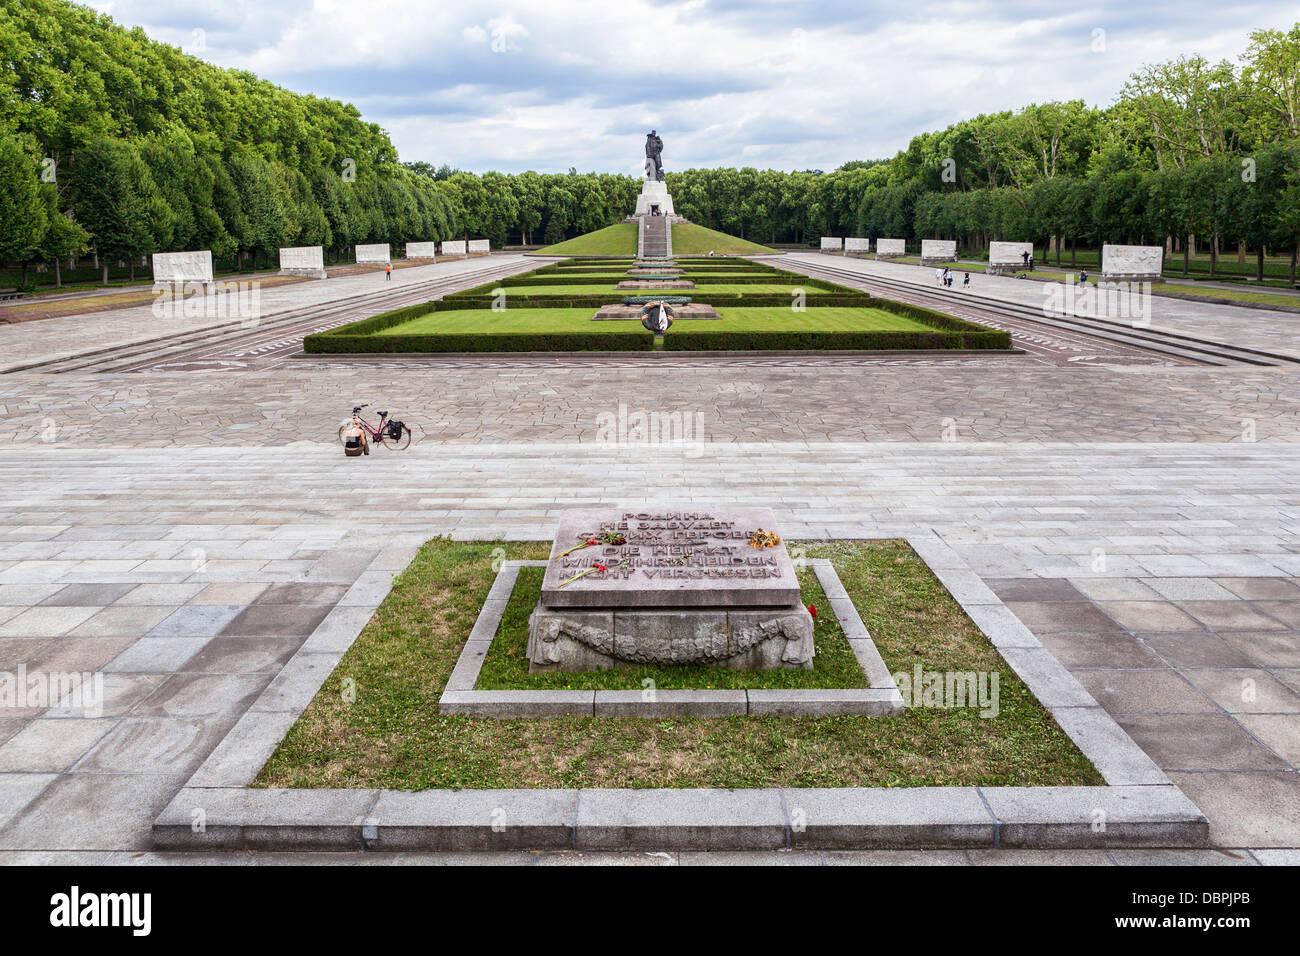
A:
115	144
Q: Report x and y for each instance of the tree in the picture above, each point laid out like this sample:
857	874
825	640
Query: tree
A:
1271	81
23	210
116	201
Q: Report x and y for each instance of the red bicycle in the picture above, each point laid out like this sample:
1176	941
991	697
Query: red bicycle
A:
392	433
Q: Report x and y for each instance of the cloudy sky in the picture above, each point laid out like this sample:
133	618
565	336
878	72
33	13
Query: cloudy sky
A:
786	84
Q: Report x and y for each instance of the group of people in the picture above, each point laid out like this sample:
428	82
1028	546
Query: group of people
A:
945	278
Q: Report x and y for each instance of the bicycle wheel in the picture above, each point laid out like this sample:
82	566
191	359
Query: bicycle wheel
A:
396	444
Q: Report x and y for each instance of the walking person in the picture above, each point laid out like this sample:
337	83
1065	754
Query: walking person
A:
388	272
938	276
965	283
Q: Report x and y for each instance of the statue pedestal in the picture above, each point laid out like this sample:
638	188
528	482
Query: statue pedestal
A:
654	198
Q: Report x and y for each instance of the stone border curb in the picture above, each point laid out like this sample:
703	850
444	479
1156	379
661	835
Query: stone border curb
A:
1139	807
880	699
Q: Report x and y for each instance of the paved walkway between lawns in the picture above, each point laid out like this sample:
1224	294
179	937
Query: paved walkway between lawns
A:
1265	329
1163	575
23	342
496	401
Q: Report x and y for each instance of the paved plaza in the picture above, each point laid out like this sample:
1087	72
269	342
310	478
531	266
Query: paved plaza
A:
186	533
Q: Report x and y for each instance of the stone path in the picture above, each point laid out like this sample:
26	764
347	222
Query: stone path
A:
574	403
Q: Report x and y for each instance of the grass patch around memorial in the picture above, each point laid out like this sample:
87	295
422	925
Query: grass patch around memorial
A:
390	734
692	240
506	665
616	240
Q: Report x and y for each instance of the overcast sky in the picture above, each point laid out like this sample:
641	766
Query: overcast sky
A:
785	84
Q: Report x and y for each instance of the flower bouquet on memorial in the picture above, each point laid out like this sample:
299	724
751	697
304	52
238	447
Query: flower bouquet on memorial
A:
582	574
764	539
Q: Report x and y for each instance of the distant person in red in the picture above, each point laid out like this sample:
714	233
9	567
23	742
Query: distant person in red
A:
388	272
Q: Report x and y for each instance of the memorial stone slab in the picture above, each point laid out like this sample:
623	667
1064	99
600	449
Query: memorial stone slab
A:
886	248
853	244
938	250
678	586
453	247
375	252
1132	262
479	247
1009	256
832	243
422	250
303	261
183	266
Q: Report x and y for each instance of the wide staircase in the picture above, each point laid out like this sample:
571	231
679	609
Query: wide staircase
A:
656	237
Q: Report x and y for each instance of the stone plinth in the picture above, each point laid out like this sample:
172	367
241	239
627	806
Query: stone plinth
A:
574	639
890	248
679	586
832	244
654	197
422	250
645	271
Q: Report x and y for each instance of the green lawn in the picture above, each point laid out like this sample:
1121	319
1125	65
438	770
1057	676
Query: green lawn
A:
389	733
616	240
510	322
784	319
692	240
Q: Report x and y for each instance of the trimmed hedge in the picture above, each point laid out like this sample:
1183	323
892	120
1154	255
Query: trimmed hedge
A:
849	298
325	343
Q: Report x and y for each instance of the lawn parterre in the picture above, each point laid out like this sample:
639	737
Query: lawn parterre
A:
390	735
551	309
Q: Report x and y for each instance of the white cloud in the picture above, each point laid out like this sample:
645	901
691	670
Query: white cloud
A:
725	82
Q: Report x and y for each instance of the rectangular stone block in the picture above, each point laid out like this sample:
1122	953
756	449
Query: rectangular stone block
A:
519	703
242	819
375	252
1132	262
453	247
832	244
422	250
480	820
1045	817
938	250
478	247
852	244
862	818
830	702
1009	253
183	266
670	703
890	247
680	820
302	259
672	557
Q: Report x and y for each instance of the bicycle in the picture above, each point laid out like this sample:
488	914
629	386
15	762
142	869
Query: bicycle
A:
392	434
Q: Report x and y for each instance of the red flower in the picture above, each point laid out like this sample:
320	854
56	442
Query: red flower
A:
601	568
812	609
591	541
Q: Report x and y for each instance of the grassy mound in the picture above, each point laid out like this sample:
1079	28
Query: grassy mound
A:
692	240
616	240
